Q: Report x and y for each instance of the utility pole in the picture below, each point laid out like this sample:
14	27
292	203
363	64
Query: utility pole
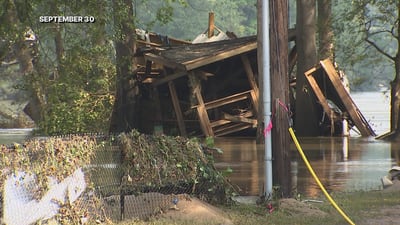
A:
280	96
273	67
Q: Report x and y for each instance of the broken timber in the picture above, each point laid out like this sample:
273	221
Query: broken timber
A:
205	61
336	92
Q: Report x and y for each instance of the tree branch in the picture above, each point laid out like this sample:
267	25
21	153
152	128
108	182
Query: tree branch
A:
379	49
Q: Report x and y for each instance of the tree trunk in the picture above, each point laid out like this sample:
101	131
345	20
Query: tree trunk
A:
395	101
280	96
124	113
24	56
395	90
325	32
306	117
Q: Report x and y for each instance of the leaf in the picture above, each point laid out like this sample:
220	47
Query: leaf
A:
219	150
209	142
229	170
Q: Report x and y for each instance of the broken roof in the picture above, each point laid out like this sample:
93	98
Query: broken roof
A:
191	56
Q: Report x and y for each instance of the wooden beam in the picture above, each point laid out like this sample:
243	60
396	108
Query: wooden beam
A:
177	107
163	61
221	122
317	90
239	119
210	24
252	80
170	77
226	100
148	43
195	63
202	112
231	128
355	114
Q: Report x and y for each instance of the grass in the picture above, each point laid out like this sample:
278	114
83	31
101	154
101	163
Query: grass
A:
359	206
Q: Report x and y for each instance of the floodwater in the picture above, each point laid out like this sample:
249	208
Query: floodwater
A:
9	136
342	164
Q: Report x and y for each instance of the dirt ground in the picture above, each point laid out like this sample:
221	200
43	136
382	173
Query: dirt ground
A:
192	209
389	215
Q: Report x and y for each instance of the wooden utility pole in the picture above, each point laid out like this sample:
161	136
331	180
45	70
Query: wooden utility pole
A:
280	95
260	115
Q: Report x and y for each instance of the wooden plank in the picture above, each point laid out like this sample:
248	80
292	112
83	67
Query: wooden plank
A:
202	112
210	24
195	63
232	128
170	77
254	100
148	43
252	80
314	85
165	62
226	100
177	107
239	119
351	107
221	122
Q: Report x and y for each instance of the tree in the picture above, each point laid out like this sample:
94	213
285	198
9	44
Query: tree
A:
70	75
306	123
126	109
325	30
378	24
125	47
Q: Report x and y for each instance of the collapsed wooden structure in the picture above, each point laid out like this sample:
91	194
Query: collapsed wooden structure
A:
211	89
217	79
335	100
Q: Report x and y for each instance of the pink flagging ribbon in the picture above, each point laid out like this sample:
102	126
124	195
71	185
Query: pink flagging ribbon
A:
268	128
283	105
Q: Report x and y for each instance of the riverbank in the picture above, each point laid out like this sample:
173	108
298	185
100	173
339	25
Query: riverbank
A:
372	207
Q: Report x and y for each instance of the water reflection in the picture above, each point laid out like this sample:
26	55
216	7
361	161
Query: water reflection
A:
9	136
341	163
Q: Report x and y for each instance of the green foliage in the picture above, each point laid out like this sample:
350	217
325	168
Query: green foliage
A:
56	158
82	97
163	161
59	158
353	23
74	77
191	19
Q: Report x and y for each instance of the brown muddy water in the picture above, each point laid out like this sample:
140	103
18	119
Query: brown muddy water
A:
342	164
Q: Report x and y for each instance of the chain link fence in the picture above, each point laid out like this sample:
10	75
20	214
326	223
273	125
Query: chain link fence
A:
129	176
